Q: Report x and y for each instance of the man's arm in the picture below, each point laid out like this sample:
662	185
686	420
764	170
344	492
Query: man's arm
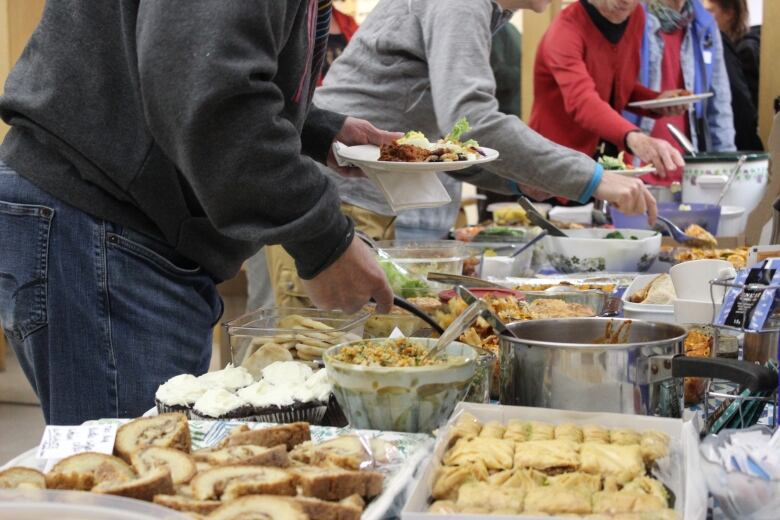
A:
319	131
457	47
206	74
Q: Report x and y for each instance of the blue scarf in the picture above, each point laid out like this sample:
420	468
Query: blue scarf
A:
671	19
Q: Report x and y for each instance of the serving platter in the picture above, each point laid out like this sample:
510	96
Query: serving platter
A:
671	102
367	156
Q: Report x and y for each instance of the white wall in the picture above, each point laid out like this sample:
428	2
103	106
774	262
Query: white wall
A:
756	8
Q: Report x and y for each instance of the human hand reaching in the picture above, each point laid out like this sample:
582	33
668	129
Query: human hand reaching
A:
628	194
662	155
356	132
350	282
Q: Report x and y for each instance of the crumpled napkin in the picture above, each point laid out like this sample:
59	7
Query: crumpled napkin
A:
403	191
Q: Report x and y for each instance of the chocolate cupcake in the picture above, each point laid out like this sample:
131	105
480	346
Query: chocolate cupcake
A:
289	392
219	404
178	394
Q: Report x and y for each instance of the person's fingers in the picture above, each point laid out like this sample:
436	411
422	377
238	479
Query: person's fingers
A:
669	162
384	299
380	137
678	158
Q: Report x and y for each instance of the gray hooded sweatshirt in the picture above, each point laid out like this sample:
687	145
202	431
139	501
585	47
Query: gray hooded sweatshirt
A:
424	64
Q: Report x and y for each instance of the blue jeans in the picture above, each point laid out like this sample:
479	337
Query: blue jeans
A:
98	315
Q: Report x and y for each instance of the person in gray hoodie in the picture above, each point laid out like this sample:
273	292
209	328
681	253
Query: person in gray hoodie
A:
154	146
424	64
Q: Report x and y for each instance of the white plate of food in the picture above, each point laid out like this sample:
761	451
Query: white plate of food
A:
619	166
671	101
415	153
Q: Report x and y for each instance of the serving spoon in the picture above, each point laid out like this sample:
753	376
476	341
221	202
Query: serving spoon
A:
679	235
457	328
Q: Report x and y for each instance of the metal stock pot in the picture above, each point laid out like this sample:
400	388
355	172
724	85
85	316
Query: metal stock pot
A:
557	364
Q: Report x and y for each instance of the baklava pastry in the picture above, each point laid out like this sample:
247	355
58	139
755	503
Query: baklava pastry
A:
624	463
576	480
568	432
548	456
595	434
495	454
554	500
450	478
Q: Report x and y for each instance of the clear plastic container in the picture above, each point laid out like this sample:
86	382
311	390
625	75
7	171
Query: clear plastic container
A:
307	333
78	505
418	259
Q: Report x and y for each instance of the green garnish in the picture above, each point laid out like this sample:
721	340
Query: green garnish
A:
460	128
617	235
613	163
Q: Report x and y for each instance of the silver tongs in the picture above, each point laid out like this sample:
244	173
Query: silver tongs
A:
537	219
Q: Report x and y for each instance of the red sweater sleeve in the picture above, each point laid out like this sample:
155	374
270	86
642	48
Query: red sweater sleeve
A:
581	100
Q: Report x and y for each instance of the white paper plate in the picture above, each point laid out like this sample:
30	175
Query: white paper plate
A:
634	172
671	102
367	155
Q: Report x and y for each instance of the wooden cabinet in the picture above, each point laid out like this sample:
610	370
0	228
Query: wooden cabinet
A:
18	19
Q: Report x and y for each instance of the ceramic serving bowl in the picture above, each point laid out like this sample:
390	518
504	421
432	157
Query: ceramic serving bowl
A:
405	399
588	250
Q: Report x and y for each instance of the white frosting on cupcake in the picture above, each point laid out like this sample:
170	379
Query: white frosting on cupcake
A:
285	383
283	373
217	402
320	386
182	390
263	394
230	378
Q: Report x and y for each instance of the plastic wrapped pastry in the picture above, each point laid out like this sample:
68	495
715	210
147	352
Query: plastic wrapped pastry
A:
606	502
541	431
568	432
624	437
517	431
595	434
450	478
518	478
654	446
577	479
493	430
624	463
557	501
483	495
496	454
548	456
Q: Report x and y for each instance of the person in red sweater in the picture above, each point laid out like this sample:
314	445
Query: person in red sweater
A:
586	73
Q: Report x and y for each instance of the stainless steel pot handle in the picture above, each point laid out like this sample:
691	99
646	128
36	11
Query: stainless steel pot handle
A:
755	377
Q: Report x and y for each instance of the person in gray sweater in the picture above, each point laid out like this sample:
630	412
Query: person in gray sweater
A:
423	65
154	146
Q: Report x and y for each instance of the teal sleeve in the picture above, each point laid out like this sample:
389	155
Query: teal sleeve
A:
592	185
